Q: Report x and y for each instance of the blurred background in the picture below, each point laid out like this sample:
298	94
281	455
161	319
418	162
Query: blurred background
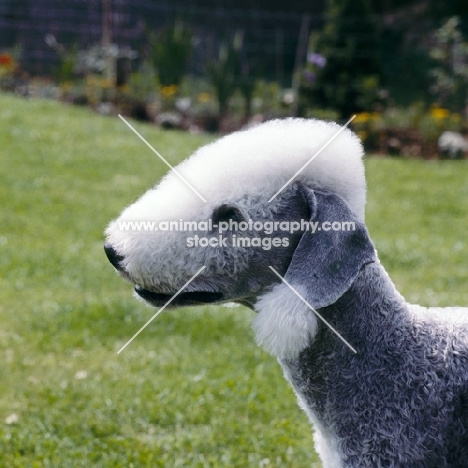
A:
402	66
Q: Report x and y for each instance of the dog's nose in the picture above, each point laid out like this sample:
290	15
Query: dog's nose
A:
113	256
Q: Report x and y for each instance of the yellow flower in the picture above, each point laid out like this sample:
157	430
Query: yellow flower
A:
125	88
106	83
168	91
439	113
362	135
91	80
204	97
67	86
362	117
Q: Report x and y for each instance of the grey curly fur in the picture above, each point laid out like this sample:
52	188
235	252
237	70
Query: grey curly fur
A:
402	400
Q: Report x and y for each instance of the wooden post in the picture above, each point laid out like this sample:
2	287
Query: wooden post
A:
110	70
301	51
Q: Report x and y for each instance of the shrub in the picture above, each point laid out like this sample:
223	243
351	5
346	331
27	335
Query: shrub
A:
413	130
343	67
450	73
170	49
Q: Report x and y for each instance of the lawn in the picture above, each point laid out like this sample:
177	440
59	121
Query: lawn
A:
192	390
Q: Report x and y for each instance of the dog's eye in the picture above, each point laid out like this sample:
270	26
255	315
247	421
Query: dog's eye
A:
226	213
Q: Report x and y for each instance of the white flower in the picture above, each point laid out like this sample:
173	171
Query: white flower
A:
81	375
13	418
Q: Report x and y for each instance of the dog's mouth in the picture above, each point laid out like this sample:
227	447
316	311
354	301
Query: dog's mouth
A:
180	300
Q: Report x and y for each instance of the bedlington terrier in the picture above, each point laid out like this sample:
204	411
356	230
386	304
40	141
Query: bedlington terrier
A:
281	230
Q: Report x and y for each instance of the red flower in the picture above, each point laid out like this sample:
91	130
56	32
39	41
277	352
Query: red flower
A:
6	60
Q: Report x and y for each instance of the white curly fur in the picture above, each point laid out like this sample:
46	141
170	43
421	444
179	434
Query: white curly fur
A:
238	167
284	325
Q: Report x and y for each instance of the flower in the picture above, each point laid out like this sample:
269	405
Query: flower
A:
362	117
309	76
107	83
11	419
316	59
363	135
81	375
168	91
204	97
439	113
6	60
124	88
91	80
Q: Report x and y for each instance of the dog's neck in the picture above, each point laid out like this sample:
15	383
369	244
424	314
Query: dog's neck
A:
370	308
285	326
372	316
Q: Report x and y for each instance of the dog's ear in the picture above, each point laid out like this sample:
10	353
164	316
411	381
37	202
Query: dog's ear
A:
327	261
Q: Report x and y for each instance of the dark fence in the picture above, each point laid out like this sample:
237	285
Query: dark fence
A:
269	38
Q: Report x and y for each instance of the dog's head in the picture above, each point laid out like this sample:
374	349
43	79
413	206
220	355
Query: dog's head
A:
255	226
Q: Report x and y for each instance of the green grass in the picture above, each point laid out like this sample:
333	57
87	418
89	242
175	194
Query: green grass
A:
193	390
417	215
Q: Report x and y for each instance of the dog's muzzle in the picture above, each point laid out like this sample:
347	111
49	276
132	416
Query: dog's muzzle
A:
157	298
191	298
114	257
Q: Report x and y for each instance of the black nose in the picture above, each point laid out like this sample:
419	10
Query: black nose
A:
113	256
